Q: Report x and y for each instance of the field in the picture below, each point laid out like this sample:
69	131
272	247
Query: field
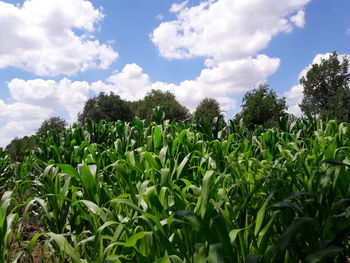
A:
131	192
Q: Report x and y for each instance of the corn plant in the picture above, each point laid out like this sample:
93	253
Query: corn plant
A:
6	224
177	192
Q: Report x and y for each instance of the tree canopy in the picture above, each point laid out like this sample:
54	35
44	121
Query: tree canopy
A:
174	111
18	147
207	110
262	107
326	89
54	123
106	107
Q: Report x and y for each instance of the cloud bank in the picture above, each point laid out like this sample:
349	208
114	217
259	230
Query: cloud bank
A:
226	30
58	37
53	37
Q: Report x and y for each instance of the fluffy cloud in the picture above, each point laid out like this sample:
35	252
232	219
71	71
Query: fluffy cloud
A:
17	129
293	98
299	19
178	7
295	95
21	111
223	32
47	38
63	95
131	83
20	118
41	37
36	100
224	29
226	80
221	82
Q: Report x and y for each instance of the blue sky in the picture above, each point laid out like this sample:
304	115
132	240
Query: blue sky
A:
55	54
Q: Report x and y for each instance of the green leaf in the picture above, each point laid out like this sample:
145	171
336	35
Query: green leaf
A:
157	137
333	161
62	242
323	254
151	161
260	216
199	254
205	192
175	259
33	240
131	242
163	260
162	155
181	166
291	231
233	235
68	169
215	254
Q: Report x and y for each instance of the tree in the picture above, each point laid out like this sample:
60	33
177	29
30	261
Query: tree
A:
207	110
18	148
106	107
262	107
174	111
326	89
54	123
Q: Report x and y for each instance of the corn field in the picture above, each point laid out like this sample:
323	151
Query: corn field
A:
162	192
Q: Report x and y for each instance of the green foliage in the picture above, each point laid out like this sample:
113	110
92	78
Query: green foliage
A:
6	223
326	89
105	107
130	192
262	107
19	147
207	110
173	110
54	123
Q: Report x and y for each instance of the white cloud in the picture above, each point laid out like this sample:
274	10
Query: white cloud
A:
19	129
299	19
42	37
221	82
160	17
229	34
21	111
36	100
49	94
178	7
226	80
131	83
293	98
225	29
295	95
20	119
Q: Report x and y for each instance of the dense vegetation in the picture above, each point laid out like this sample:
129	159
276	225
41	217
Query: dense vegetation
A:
207	110
112	108
264	187
326	89
54	123
131	192
171	108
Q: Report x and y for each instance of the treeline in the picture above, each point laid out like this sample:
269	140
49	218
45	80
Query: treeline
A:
113	108
326	96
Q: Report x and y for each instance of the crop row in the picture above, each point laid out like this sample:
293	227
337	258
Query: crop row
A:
130	192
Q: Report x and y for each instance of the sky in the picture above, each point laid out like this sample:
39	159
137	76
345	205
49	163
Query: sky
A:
55	54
